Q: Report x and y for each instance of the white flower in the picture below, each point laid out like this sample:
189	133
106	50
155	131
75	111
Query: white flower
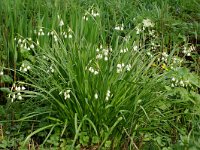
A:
28	67
99	56
65	36
19	41
61	23
23	88
105	52
192	48
85	18
19	96
120	67
138	30
17	88
124	50
91	69
32	46
107	95
182	83
1	73
55	38
164	54
117	28
135	48
152	32
13	97
94	14
96	72
120	27
149	54
25	70
96	96
128	67
106	58
69	36
25	46
188	54
173	79
147	23
66	94
69	29
40	32
97	50
172	85
107	98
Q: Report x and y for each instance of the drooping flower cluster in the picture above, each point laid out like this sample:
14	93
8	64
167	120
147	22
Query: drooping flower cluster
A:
146	24
121	66
61	23
135	48
94	13
108	95
176	62
66	94
164	56
51	69
1	73
54	35
16	92
24	67
26	44
67	34
187	50
96	96
149	54
124	50
119	27
90	12
39	32
93	70
179	82
103	53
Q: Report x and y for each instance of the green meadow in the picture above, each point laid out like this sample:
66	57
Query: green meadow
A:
100	74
